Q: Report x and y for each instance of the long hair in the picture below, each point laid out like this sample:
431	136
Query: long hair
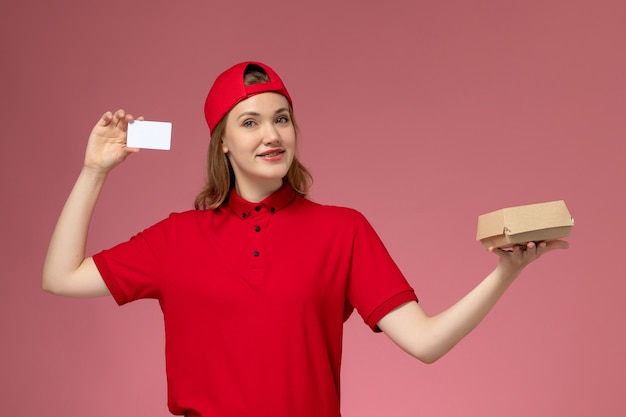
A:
220	175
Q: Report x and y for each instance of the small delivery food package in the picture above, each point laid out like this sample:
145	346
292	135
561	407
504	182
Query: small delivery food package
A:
518	225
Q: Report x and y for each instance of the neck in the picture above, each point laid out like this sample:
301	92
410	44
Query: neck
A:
257	192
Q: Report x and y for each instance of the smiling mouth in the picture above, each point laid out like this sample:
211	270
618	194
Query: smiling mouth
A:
269	154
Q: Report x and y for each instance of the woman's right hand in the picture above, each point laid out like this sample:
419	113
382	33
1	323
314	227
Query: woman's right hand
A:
106	147
66	270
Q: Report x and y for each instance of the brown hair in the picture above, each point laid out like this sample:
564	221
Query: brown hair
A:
220	175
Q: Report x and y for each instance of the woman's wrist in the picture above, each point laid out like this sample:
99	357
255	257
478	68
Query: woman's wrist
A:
507	273
94	173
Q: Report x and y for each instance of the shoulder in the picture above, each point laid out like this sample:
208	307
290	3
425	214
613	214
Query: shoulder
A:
327	208
329	213
183	219
185	216
190	215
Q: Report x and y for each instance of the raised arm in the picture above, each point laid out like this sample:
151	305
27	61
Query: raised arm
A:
428	338
66	271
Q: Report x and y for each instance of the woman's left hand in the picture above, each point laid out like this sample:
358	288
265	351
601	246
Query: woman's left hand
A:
515	259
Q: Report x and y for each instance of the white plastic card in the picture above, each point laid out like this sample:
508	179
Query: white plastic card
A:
149	135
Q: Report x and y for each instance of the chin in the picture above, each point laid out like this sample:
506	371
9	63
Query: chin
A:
277	173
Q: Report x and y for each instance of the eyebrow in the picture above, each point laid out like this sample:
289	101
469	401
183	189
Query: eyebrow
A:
253	113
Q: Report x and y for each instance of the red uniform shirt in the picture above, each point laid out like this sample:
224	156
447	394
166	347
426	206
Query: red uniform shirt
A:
254	297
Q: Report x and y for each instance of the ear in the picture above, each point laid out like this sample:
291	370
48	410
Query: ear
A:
224	147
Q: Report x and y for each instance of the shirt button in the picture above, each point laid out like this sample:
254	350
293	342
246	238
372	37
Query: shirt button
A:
257	208
243	215
257	228
256	253
273	210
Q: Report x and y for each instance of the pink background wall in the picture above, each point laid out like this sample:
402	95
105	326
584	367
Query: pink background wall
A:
421	114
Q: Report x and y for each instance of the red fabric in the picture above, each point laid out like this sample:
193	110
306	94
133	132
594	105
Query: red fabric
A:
229	89
254	301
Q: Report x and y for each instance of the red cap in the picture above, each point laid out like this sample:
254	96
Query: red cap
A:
229	89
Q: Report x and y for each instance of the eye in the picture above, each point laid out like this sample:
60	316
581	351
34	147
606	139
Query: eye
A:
282	119
248	123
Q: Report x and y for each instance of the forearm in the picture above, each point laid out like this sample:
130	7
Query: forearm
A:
429	338
444	330
66	251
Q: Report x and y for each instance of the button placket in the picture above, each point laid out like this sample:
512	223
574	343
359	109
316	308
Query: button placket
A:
259	219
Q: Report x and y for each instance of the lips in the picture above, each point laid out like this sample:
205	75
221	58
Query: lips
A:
271	152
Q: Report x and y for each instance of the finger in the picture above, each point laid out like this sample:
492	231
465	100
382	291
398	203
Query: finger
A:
541	248
493	249
124	121
530	249
106	118
500	252
556	244
140	118
548	245
533	250
118	117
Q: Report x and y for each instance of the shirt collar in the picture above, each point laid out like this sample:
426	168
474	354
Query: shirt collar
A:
273	203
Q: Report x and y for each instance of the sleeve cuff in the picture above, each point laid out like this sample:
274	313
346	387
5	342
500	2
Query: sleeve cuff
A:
383	309
107	276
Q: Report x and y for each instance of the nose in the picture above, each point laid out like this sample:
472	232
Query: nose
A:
271	134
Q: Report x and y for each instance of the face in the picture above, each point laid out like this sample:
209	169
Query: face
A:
259	141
